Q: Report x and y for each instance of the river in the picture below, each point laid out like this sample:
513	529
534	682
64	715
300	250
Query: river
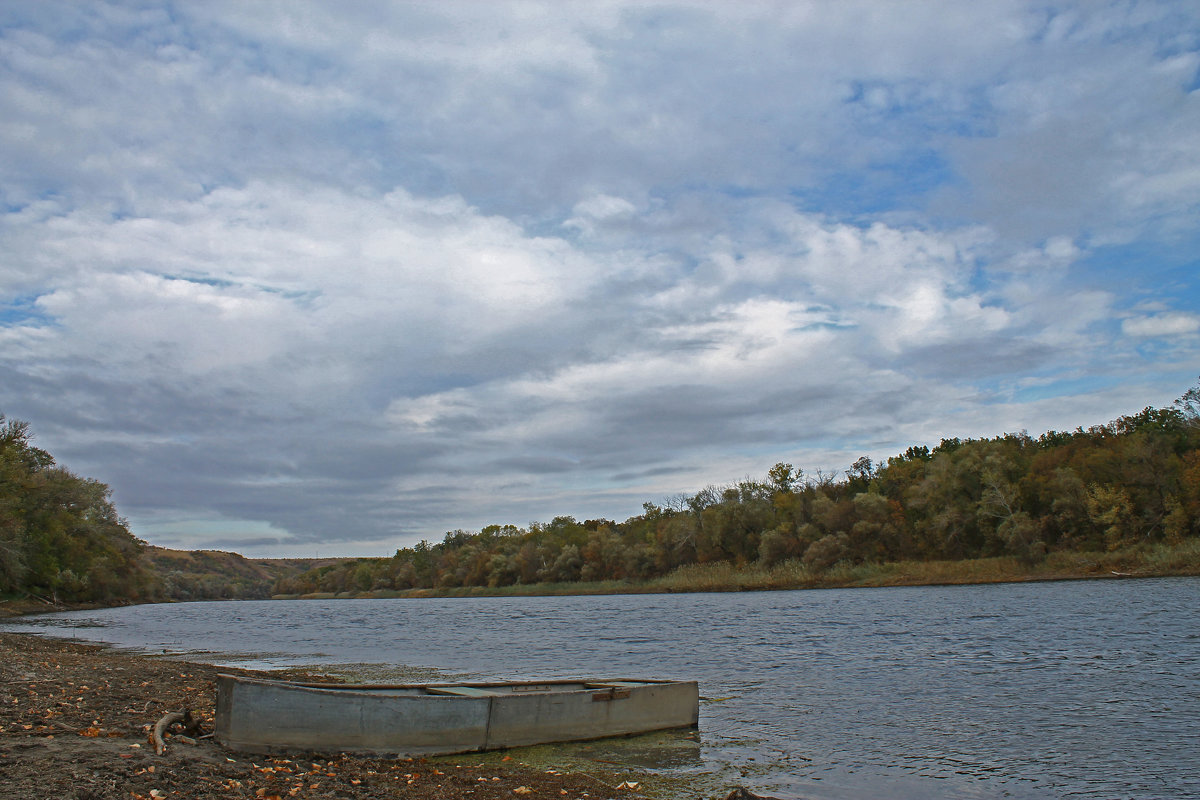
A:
1026	691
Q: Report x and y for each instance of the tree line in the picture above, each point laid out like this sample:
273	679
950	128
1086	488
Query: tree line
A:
62	541
60	536
1133	481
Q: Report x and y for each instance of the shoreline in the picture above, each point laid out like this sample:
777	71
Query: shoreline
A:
75	721
1161	561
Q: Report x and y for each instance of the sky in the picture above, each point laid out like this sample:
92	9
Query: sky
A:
313	278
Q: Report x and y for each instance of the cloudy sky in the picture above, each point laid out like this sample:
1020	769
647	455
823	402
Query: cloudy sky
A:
316	278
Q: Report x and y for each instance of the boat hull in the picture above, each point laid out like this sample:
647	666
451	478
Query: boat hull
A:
264	716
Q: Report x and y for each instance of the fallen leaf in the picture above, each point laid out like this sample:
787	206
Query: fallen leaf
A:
522	790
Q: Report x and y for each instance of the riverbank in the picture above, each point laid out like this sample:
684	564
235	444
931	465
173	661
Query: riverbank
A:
1150	561
75	722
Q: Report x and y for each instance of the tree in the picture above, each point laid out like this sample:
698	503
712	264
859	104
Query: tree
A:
60	534
783	477
827	551
861	472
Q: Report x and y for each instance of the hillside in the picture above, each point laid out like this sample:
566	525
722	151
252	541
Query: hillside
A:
61	539
219	575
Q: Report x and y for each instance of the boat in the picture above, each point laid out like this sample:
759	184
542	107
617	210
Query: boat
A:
257	715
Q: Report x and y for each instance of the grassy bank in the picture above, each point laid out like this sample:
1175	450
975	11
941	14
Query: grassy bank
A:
1159	560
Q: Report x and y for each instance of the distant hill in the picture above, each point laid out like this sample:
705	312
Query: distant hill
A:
218	575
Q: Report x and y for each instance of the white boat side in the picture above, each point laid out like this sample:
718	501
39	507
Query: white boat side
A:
262	716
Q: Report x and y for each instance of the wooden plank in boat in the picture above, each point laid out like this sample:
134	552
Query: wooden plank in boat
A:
461	691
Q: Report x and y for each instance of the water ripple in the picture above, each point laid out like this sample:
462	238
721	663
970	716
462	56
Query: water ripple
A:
1085	689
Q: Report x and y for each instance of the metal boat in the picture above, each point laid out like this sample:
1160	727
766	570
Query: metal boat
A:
265	716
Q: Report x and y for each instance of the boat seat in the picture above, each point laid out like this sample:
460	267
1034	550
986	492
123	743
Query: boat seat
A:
617	684
461	691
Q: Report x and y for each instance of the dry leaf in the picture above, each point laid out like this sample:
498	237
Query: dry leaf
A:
522	790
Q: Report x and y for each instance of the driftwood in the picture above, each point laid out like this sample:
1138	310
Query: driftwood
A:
160	728
190	725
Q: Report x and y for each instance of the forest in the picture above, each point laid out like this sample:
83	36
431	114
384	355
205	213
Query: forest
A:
62	542
1132	482
60	536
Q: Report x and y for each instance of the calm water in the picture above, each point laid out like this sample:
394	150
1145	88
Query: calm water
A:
1074	689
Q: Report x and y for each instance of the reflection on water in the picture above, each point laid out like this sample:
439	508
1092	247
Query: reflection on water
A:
1081	689
663	750
674	756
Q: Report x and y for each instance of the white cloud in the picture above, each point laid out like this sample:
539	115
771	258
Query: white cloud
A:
372	271
1162	325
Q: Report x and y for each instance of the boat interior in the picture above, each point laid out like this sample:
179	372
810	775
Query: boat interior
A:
617	687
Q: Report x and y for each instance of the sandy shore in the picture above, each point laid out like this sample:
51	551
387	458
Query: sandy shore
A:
75	722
